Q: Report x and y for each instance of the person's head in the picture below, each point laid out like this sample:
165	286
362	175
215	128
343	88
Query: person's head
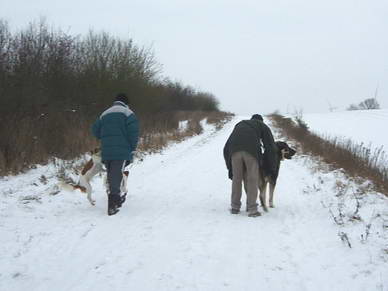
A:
122	97
257	117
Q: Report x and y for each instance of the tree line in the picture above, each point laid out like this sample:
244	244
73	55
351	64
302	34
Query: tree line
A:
54	84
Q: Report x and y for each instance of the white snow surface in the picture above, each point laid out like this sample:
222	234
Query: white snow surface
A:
175	231
361	126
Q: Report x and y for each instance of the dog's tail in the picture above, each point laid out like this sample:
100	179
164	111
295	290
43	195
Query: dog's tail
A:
70	187
65	186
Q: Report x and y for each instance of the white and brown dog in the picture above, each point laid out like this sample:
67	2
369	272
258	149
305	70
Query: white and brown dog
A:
92	168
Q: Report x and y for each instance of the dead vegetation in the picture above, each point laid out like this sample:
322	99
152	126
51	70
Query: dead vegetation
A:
53	86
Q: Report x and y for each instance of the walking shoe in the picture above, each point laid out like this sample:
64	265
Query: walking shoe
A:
113	210
113	204
254	214
234	211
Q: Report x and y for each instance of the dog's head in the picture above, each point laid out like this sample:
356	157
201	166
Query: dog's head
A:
285	151
95	151
96	154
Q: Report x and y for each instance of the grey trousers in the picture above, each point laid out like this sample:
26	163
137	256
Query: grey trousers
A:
115	170
245	169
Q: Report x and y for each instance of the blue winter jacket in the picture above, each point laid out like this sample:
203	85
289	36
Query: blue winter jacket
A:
118	130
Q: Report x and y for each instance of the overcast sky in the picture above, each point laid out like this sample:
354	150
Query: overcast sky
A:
255	56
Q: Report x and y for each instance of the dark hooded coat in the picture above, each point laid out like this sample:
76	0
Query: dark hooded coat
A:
249	136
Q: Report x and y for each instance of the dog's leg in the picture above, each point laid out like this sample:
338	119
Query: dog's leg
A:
123	186
106	184
271	192
263	198
91	200
84	181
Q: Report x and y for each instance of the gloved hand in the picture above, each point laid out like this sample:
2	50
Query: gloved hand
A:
230	174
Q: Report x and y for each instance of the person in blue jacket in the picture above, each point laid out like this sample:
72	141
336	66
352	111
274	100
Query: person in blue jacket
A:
118	130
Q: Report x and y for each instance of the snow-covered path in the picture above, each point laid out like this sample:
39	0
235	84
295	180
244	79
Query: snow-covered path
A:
175	233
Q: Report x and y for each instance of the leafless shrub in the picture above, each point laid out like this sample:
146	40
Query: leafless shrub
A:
357	160
370	103
367	104
298	116
338	219
341	188
219	118
365	236
54	85
356	216
345	239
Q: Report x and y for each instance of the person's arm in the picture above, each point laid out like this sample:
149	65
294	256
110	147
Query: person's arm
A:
96	128
270	148
133	131
227	159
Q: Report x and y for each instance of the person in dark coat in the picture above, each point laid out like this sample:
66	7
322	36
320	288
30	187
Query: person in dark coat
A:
243	156
118	130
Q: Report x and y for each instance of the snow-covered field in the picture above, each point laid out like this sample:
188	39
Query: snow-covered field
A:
362	126
175	231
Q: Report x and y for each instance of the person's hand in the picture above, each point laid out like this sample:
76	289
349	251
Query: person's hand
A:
230	175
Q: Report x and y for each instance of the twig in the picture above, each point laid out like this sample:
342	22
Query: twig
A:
344	237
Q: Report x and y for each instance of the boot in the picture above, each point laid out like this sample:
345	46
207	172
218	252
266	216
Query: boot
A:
254	214
234	211
113	204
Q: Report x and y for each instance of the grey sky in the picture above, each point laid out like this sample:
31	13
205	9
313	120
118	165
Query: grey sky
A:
255	56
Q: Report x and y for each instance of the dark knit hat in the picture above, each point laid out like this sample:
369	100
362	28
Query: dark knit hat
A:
257	116
122	97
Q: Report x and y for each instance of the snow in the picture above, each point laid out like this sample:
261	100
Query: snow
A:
175	231
183	125
362	126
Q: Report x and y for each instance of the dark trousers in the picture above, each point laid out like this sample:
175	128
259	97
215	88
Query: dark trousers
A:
115	169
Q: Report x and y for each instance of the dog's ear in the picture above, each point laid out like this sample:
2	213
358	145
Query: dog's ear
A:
286	150
292	151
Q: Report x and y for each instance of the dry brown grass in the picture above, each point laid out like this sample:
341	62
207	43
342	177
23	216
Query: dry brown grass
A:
219	118
356	160
67	135
35	140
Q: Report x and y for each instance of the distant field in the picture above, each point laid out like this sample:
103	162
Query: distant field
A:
366	126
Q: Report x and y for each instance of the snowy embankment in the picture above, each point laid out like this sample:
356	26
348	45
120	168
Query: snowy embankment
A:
361	126
175	232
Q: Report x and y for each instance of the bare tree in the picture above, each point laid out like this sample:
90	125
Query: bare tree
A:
368	104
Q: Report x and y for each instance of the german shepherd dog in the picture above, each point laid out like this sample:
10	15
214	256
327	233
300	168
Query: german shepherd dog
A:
266	179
